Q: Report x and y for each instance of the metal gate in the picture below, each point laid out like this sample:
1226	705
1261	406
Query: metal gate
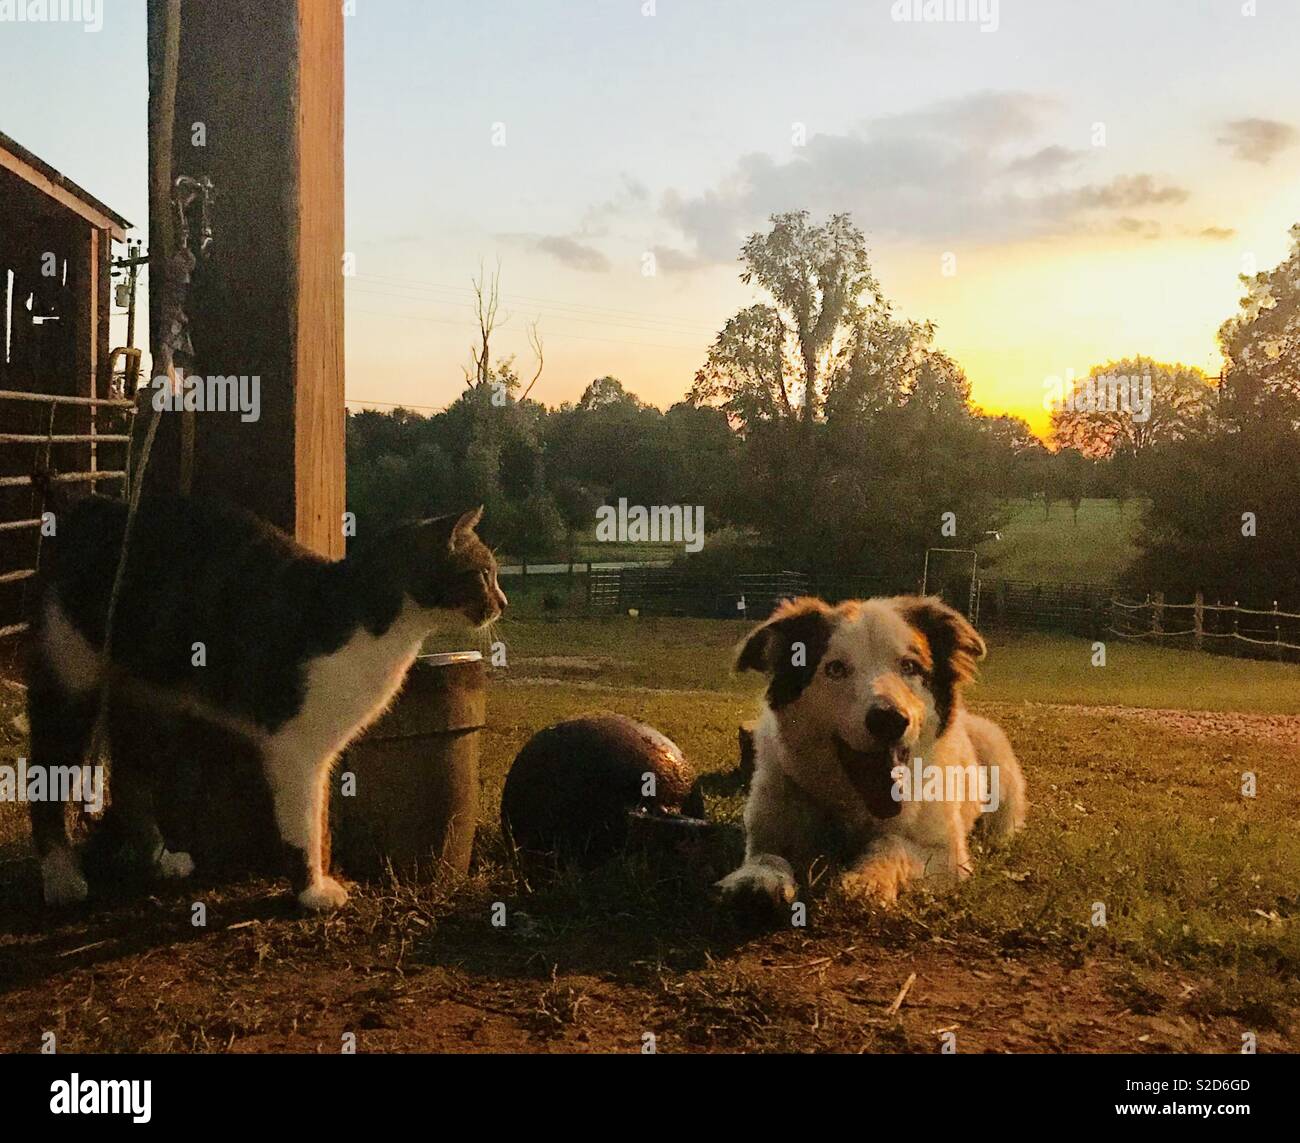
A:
98	441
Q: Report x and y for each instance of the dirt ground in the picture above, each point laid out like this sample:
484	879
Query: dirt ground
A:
256	980
638	956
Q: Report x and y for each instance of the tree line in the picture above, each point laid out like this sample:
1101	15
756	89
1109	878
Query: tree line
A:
826	433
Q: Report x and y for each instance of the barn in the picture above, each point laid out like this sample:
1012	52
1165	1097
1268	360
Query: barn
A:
58	409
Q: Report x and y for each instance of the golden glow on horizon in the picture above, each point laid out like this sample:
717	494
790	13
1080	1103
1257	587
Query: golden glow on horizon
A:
1015	317
1012	316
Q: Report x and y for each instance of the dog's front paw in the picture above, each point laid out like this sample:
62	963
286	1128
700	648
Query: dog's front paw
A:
765	883
322	895
875	884
61	878
174	866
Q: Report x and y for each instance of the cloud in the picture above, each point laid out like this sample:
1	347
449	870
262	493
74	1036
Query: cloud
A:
1217	233
1125	193
676	261
1046	161
632	194
976	169
572	253
984	118
569	251
1257	140
1140	227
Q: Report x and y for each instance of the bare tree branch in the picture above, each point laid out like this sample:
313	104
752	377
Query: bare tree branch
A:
535	340
487	300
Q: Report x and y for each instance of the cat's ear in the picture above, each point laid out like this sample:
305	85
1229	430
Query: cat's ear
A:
466	524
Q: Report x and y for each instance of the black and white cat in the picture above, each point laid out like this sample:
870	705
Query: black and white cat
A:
226	618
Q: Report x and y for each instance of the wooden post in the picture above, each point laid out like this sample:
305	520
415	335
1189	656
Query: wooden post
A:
259	111
86	263
1198	619
1158	613
249	94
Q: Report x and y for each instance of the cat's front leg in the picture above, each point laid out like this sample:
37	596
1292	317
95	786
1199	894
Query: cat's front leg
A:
299	786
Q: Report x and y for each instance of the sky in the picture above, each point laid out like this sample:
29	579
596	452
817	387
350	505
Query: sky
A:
1054	183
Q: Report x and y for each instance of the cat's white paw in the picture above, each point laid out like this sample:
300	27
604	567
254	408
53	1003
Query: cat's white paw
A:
323	895
61	878
174	865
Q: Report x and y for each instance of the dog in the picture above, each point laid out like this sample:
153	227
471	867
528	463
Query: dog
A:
864	754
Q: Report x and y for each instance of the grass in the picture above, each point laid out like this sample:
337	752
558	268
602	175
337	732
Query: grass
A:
696	654
1056	549
1140	814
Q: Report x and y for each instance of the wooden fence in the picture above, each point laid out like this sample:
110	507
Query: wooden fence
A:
671	591
1087	610
1230	629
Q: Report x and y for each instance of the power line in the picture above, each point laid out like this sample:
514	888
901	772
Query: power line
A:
684	322
395	405
650	325
563	336
413	283
371	293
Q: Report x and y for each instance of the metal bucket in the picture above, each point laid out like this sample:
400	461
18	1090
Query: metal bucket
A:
406	793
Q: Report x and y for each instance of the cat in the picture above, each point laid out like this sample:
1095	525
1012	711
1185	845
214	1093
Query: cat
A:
224	617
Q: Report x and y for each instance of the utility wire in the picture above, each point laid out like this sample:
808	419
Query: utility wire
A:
684	323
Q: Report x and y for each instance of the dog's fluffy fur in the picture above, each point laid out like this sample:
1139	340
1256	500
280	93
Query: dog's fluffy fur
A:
855	691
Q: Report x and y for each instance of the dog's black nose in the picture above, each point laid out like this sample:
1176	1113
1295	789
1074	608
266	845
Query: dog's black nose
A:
886	723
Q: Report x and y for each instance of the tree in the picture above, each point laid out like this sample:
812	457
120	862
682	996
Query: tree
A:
1012	452
1261	345
1223	515
1125	407
576	503
1072	478
773	359
745	372
605	392
530	529
1196	535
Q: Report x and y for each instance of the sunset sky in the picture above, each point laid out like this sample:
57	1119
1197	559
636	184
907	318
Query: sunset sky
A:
675	134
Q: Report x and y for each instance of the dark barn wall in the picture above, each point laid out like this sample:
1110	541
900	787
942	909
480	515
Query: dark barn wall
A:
62	355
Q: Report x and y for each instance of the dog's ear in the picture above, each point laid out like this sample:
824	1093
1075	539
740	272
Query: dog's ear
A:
788	647
954	645
948	632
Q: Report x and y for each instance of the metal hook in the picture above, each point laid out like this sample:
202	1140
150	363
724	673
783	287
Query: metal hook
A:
187	190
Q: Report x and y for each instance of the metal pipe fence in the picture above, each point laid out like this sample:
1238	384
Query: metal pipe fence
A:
17	520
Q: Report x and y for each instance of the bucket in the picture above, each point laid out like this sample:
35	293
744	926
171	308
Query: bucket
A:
406	793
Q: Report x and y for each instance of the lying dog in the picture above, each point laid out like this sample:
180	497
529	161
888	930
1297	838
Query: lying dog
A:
864	754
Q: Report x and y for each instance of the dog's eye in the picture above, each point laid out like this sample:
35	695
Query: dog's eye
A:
912	669
837	669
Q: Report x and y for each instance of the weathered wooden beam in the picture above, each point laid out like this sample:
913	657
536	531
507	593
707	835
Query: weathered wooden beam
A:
259	111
